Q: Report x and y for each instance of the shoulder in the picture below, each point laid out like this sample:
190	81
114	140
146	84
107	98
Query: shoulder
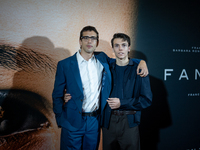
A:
133	62
101	56
67	60
100	53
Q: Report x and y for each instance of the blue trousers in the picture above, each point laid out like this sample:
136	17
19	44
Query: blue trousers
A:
86	138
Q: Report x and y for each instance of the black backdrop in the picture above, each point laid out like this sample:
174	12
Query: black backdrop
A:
168	38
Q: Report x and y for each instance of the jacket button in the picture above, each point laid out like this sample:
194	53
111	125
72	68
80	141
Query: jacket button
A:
79	112
81	100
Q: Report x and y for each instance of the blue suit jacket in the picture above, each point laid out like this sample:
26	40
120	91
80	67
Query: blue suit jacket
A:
68	77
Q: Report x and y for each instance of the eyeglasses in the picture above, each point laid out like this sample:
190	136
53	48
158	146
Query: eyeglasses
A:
86	38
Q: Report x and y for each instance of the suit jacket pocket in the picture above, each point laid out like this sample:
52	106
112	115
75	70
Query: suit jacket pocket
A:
71	112
70	105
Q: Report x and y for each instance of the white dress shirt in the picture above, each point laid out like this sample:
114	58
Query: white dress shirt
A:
91	75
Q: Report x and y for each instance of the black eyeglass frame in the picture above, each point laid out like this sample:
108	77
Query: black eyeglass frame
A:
93	38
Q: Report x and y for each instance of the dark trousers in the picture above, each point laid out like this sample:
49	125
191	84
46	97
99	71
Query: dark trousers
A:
120	136
86	138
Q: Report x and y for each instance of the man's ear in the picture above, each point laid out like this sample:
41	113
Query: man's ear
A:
97	43
80	43
129	49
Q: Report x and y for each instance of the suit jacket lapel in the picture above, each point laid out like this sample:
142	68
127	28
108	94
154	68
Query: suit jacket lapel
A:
75	70
106	74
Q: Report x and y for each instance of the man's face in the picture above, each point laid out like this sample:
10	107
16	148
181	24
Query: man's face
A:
121	48
89	42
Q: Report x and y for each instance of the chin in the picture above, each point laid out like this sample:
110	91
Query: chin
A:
121	57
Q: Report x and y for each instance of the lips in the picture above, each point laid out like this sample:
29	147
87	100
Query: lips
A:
89	46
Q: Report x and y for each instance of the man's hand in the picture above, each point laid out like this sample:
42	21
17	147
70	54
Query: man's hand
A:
143	67
114	103
67	97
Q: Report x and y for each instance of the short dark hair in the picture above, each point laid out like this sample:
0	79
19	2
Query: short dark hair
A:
121	36
89	28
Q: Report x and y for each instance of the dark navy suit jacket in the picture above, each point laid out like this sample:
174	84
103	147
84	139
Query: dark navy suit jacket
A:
137	94
68	77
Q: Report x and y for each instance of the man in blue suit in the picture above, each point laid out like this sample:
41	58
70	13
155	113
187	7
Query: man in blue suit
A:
87	80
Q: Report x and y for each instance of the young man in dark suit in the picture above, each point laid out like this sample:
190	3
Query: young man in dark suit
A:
129	95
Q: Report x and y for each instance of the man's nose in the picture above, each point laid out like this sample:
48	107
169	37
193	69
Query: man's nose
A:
89	40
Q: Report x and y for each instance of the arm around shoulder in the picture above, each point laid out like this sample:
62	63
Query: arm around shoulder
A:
142	69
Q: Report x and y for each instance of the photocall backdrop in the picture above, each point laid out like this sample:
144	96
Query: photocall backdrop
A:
168	38
35	35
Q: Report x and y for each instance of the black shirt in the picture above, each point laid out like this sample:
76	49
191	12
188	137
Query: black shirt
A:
117	90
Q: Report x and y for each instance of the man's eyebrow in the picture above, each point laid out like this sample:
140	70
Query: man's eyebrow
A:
25	59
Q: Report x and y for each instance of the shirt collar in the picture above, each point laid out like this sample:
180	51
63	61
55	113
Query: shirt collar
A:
80	59
130	63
